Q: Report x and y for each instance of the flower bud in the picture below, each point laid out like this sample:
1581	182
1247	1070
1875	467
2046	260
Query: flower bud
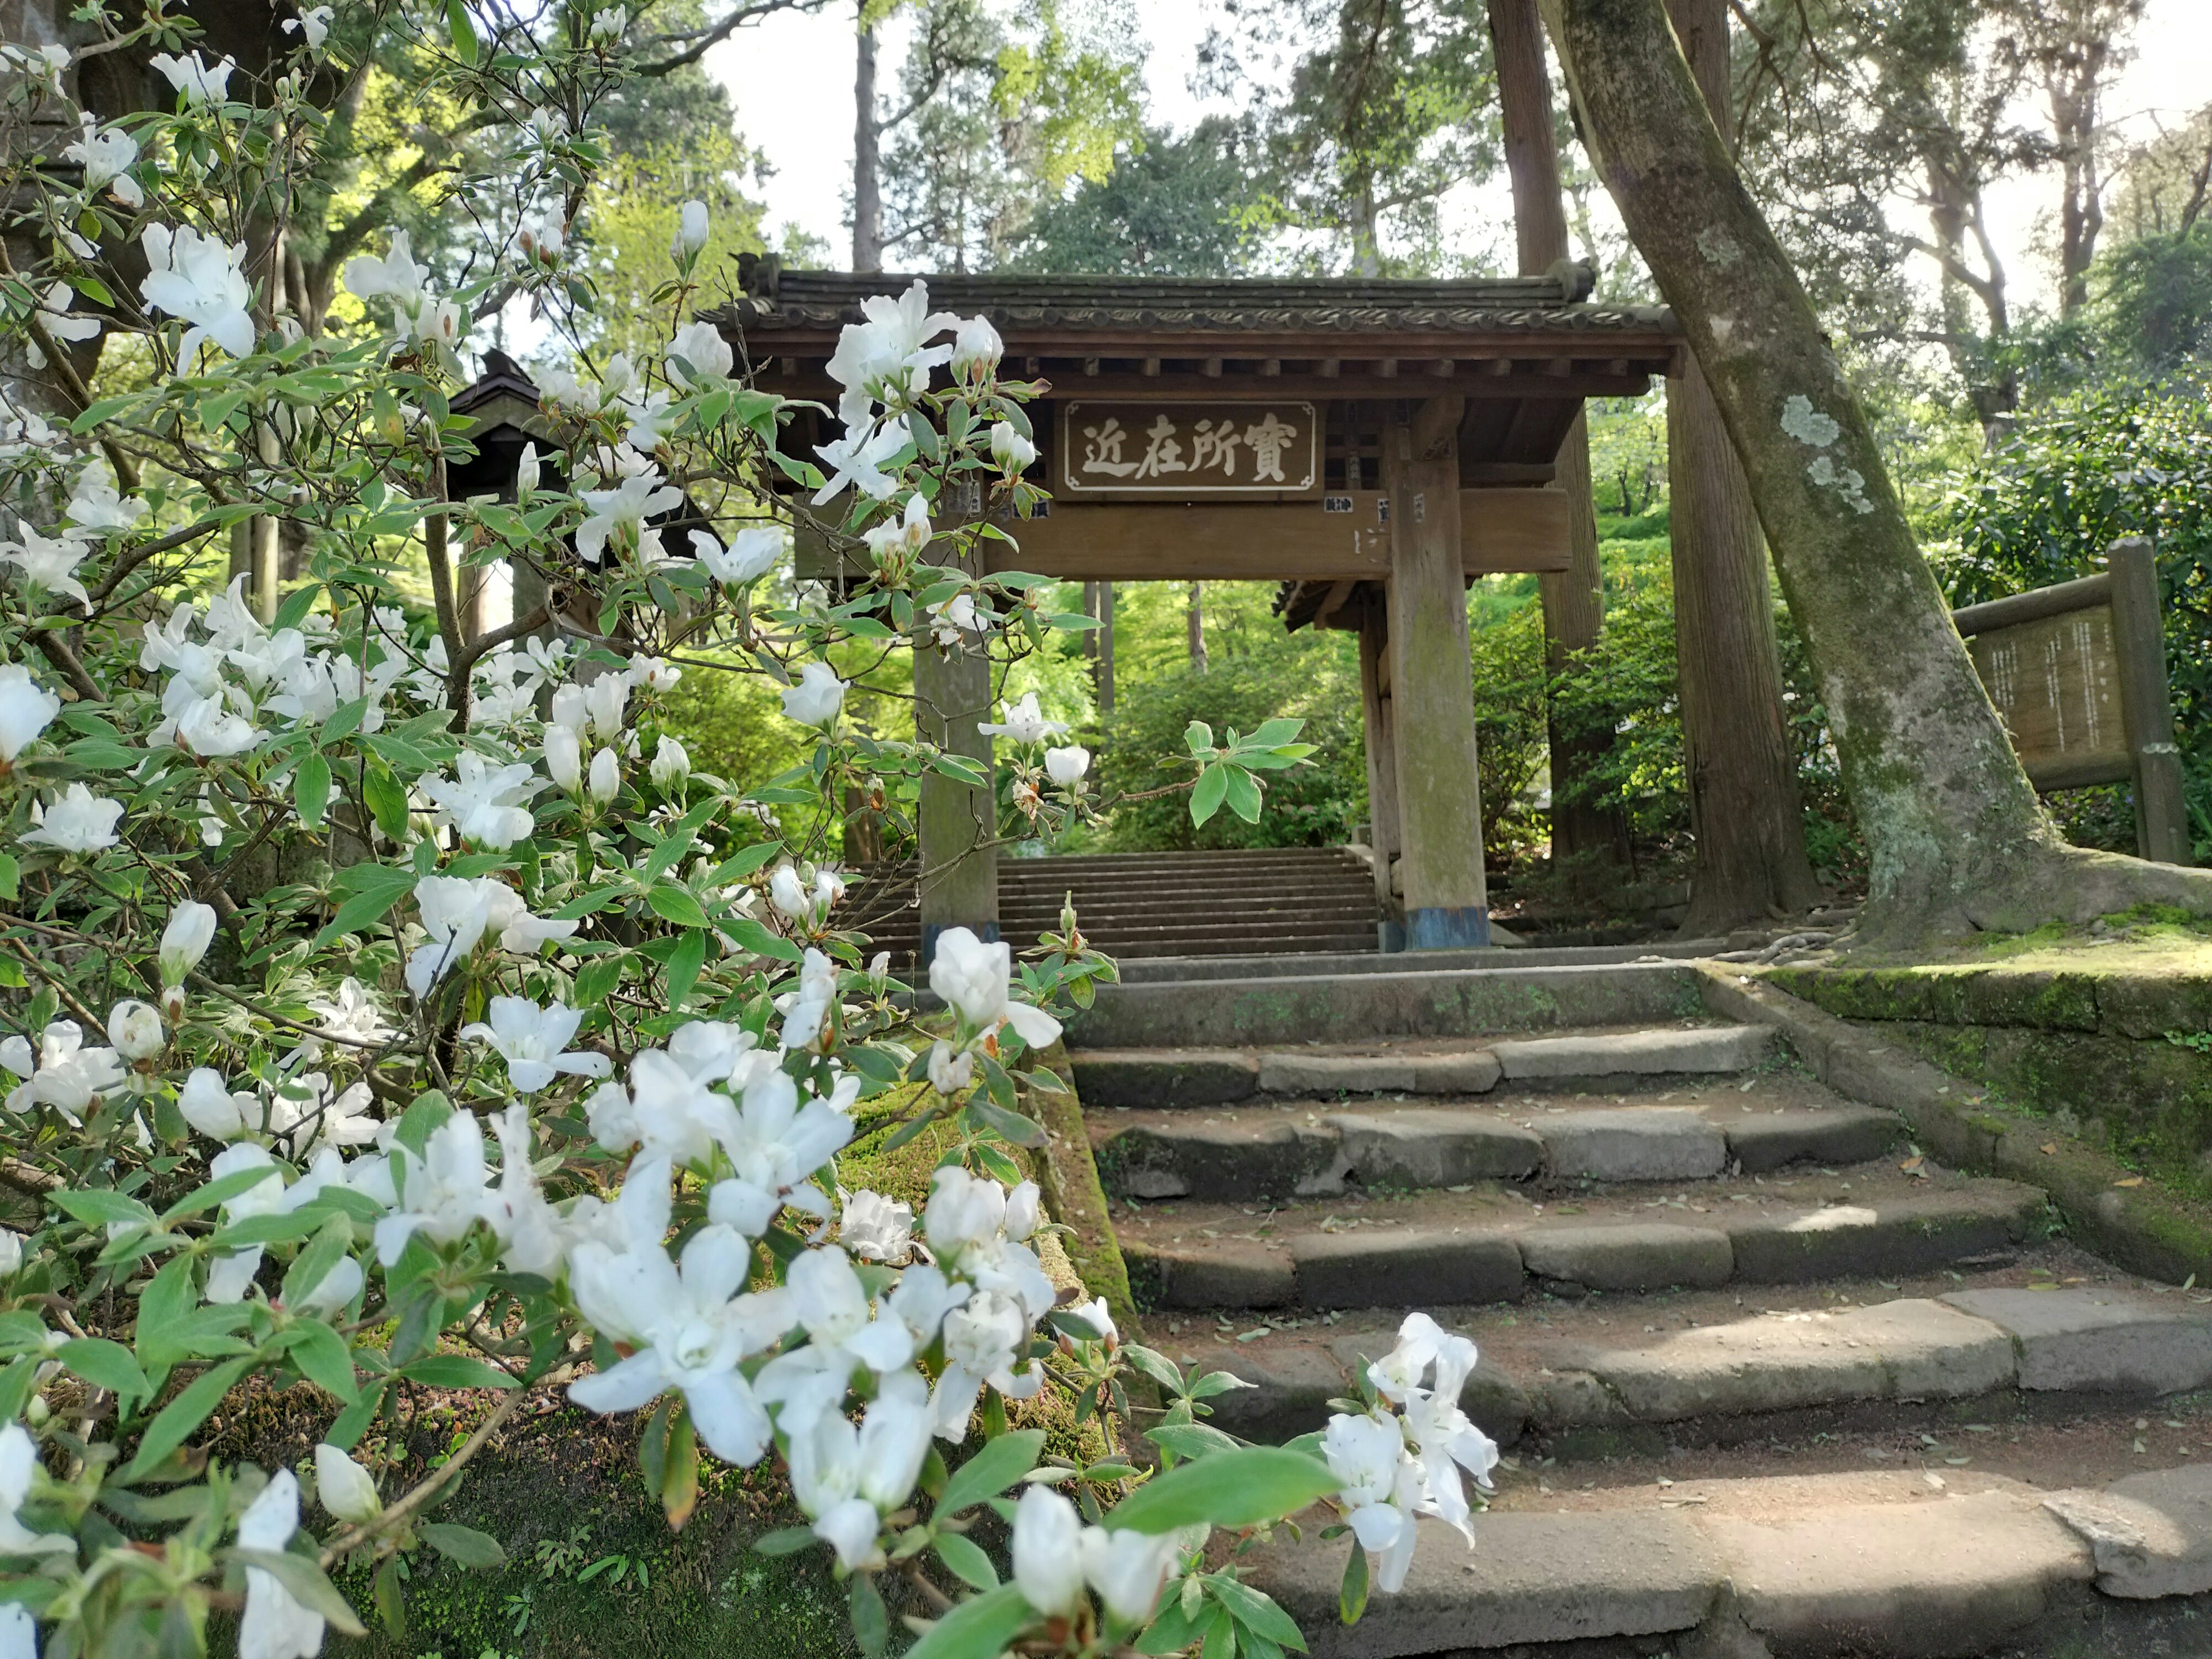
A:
1012	451
691	231
606	776
671	765
11	1254
949	1073
1066	766
564	758
345	1488
210	1107
336	1289
185	940
976	345
136	1030
525	473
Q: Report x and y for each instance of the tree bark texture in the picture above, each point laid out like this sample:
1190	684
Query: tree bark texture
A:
1956	836
868	136
1195	625
1585	837
1745	813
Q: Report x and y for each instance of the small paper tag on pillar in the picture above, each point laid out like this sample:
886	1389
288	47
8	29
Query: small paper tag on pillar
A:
1421	508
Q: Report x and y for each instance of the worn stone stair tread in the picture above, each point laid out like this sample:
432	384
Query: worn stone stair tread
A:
1802	1566
1698	1048
1293	1148
1442	1248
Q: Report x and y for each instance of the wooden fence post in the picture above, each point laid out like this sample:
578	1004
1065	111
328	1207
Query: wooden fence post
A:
2161	811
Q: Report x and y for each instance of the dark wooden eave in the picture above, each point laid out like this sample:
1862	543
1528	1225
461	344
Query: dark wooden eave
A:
1091	337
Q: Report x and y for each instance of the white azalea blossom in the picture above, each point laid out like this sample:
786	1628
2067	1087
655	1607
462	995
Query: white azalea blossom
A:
198	80
77	821
876	1228
485	805
752	553
27	708
816	698
275	1626
1024	723
107	154
977	979
19	1461
48	562
534	1042
1066	766
201	280
344	1487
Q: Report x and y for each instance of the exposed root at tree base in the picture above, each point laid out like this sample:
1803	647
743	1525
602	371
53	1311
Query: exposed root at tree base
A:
2067	885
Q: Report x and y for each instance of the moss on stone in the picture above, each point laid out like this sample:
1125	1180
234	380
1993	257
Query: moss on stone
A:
1066	1169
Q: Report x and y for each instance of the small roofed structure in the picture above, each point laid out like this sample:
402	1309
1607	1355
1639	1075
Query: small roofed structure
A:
1372	444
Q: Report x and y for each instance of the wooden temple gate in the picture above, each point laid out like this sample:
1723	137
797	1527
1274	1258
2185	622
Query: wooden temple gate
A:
1373	444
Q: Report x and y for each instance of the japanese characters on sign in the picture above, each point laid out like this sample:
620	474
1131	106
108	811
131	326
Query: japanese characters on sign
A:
1259	451
2056	683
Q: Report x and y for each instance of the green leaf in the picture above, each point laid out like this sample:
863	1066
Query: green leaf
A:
456	1370
1190	1440
1243	793
345	719
312	1265
1198	737
304	1582
375	888
1205	798
221	1189
1220	1638
1257	1612
479	1552
981	1627
10	878
751	936
388	799
967	1560
1000	1463
1173	1630
1008	1126
176	1421
390	1600
1352	1595
872	1620
297	604
17	1382
104	1365
99	1206
676	904
684	965
323	1358
784	1540
1239	1488
353	1422
960	768
463	30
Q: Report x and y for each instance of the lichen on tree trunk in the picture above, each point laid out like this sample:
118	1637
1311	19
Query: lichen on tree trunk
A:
1956	836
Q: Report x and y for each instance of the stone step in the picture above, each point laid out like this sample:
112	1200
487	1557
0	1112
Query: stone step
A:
1871	1566
1290	945
1364	1007
1313	1148
1168	1078
1370	961
1211	908
1490	1244
1584	1379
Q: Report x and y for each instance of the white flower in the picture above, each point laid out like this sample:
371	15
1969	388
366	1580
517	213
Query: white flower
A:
49	562
334	1290
876	1229
671	765
275	1626
108	156
19	1632
1024	723
53	311
689	1327
564	757
1048	1552
186	939
313	26
847	1479
662	1109
78	821
949	1072
534	1043
395	277
11	1254
691	228
200	82
210	1106
977	344
1094	1313
983	1339
653	673
753	553
353	1013
975	979
200	280
619	514
19	1459
857	458
816	698
95	504
69	1076
135	1029
526	480
604	779
829	1301
1127	1570
485	805
608	24
777	1143
699	354
1381	1487
457	913
1066	766
1009	448
908	534
443	1190
888	349
344	1487
26	709
230	1275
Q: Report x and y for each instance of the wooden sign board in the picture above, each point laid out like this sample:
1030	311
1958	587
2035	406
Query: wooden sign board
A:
2055	683
1188	451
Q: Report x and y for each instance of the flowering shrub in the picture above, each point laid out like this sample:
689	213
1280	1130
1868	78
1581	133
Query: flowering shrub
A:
303	898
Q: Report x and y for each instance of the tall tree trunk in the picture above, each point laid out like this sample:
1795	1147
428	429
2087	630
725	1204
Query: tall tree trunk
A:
867	163
1098	645
1194	622
1957	837
1366	232
1587	840
1744	807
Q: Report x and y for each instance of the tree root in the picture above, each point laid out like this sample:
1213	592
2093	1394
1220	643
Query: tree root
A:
2046	885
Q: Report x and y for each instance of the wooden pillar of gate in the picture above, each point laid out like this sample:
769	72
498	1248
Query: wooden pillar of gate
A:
1433	683
956	822
1381	762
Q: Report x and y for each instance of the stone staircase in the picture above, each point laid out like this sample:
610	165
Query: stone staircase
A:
1769	1380
1272	902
